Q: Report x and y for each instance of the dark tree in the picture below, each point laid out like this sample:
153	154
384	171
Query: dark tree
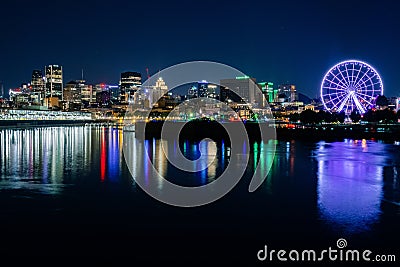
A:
369	116
386	116
340	117
294	117
309	117
324	116
355	116
382	101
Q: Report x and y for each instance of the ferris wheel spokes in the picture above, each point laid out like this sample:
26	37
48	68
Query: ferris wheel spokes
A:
350	85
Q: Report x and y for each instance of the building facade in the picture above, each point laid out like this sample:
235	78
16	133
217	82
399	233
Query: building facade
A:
290	92
37	87
129	84
159	90
54	81
268	91
243	86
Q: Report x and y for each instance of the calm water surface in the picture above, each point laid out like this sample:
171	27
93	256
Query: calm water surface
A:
63	185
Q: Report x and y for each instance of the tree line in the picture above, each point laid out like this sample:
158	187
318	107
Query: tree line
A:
372	115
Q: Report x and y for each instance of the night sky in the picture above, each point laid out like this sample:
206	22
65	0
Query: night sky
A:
279	41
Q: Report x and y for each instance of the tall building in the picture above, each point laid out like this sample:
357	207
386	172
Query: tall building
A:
206	89
54	81
289	90
268	91
87	95
202	89
37	81
192	92
242	86
74	93
38	87
114	91
1	90
397	103
103	99
158	91
129	84
98	88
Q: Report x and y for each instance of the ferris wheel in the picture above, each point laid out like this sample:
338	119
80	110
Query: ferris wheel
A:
350	85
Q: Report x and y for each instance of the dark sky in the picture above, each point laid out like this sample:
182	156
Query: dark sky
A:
295	41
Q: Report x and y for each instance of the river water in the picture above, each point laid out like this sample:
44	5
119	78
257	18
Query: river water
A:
67	194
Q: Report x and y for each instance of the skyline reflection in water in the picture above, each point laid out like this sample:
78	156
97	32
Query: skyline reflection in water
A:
209	159
350	180
49	158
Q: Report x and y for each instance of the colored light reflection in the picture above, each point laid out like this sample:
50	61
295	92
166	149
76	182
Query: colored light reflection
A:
113	156
145	154
223	154
350	184
103	156
53	156
256	154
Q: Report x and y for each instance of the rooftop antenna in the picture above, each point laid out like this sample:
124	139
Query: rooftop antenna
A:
148	75
82	74
1	89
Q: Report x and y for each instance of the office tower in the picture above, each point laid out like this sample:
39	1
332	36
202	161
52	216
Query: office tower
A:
158	91
103	99
130	83
87	94
242	86
54	81
268	91
206	89
114	91
192	92
37	81
74	93
202	89
38	87
289	90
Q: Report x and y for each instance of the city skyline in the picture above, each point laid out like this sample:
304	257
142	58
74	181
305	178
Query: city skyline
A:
206	132
285	42
180	90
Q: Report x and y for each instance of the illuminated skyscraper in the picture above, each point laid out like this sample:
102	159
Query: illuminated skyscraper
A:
243	86
158	91
268	91
38	87
206	89
87	94
192	92
103	99
289	90
75	93
37	81
54	81
202	89
129	84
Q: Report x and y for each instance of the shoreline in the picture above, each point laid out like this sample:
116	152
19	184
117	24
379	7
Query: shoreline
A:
329	132
197	130
5	124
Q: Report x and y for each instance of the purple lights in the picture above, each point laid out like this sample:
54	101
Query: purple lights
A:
350	180
350	85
